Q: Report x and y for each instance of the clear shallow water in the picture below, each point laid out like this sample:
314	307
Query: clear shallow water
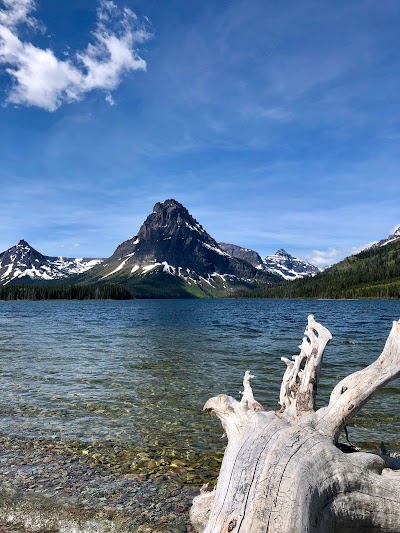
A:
122	384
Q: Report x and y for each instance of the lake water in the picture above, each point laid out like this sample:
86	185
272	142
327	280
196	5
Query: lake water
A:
116	389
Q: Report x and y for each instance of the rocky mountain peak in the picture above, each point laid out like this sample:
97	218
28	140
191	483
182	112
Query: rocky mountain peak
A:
287	266
21	254
280	264
172	241
168	234
168	217
282	253
22	263
168	206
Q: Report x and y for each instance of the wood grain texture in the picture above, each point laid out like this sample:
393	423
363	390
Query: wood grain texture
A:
282	472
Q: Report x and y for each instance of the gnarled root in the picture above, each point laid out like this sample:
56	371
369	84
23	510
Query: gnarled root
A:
282	472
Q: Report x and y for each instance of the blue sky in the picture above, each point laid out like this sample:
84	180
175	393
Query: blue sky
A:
277	124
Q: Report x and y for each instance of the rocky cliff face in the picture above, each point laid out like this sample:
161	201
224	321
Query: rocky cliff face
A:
171	235
246	254
22	263
171	242
280	264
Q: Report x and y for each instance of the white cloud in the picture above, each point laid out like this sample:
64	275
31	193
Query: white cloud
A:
42	80
358	249
324	258
17	12
110	99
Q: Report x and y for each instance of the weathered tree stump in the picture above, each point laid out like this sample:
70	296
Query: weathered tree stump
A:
283	472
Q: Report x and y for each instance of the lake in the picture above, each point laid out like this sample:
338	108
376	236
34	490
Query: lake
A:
101	401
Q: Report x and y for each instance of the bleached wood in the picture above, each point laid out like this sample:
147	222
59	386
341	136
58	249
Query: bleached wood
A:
248	400
200	510
281	471
299	385
355	390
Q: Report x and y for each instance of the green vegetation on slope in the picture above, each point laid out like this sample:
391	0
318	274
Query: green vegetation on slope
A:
373	273
157	284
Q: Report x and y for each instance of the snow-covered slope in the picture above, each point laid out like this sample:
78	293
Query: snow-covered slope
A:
24	263
172	247
281	264
287	266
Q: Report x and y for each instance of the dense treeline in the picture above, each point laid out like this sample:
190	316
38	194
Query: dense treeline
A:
107	291
373	273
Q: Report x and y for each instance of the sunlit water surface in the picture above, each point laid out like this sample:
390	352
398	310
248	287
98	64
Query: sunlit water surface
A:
132	376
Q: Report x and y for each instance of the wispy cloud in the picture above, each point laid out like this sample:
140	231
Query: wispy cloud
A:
42	80
358	249
324	258
17	12
277	113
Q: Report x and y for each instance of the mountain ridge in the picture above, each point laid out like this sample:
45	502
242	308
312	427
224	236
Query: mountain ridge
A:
172	255
371	273
288	266
23	263
172	243
281	263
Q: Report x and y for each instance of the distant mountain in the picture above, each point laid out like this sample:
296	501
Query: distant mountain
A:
288	267
280	264
372	273
173	256
250	256
22	264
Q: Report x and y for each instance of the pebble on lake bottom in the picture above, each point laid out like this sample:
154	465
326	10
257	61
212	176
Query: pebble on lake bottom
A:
46	491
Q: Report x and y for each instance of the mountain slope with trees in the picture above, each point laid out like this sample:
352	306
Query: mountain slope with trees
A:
372	273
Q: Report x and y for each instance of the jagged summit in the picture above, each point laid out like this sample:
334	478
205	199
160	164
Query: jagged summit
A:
282	252
168	234
22	262
281	263
172	237
172	242
288	266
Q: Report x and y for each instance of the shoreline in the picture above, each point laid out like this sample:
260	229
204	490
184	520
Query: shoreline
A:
48	492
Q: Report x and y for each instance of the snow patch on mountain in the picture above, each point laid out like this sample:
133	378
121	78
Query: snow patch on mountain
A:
189	276
394	236
281	264
23	261
172	243
119	267
214	248
287	266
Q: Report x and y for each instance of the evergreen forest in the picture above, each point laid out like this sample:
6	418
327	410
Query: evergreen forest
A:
108	291
372	273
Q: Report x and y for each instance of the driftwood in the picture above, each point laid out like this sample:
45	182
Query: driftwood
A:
283	471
